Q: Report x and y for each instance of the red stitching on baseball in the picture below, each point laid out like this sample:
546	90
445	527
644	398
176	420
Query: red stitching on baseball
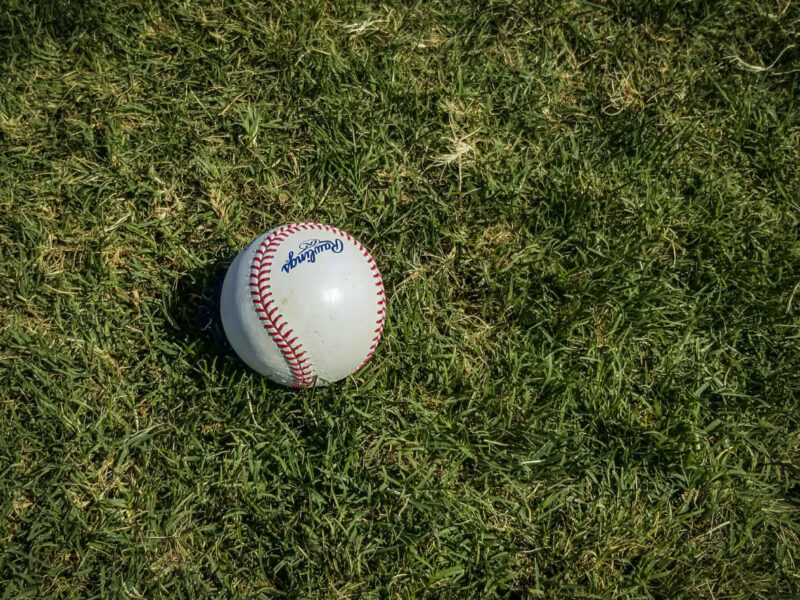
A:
292	349
261	293
381	313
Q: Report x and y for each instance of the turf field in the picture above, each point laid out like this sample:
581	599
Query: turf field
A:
587	215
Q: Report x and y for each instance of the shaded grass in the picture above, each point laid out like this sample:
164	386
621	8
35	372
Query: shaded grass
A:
586	215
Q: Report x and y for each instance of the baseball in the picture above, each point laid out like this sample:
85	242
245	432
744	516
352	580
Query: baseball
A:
304	305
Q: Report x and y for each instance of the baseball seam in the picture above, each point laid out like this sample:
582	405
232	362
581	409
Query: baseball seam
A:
271	318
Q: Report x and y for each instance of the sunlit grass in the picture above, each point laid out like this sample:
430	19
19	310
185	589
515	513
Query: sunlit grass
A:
586	215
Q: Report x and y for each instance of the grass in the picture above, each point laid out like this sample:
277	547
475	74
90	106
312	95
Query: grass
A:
587	217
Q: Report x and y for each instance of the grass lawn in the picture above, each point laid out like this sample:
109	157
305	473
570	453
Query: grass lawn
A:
587	215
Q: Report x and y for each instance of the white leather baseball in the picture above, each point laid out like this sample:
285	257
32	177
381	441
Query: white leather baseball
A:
304	303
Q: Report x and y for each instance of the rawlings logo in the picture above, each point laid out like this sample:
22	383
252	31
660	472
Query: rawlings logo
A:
309	250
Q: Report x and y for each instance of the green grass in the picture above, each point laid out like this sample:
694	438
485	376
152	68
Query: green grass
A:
587	218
